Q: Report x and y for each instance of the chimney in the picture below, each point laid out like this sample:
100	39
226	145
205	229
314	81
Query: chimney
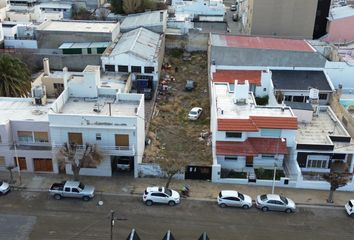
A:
65	77
161	16
46	68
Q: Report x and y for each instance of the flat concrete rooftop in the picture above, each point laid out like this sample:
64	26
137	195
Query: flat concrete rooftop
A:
320	128
99	107
78	26
113	80
225	102
22	109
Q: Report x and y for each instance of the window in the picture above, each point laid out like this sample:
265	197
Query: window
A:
75	190
136	69
233	134
109	68
149	69
24	136
270	133
268	156
278	202
322	96
287	98
58	86
298	98
67	189
230	158
317	163
122	68
75	138
2	161
98	137
40	136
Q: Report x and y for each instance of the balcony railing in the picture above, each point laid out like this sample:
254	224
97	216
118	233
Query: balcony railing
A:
30	145
108	150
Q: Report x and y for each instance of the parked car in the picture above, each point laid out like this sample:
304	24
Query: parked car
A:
73	189
189	85
233	7
160	195
349	207
194	114
4	187
235	17
229	198
275	202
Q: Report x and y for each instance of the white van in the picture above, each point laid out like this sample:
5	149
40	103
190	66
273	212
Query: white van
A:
349	207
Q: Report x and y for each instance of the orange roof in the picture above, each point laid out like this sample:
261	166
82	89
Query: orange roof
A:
245	125
251	147
229	76
275	122
254	123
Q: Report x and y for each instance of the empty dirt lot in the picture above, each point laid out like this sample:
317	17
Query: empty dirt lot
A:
172	135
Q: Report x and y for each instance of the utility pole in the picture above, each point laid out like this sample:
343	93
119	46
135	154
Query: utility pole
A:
18	164
112	218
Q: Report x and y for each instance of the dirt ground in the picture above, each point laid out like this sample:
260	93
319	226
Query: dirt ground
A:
172	135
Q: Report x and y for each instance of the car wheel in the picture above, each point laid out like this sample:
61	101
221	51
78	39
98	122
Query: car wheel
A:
222	205
57	196
171	203
245	207
148	203
288	210
85	198
265	209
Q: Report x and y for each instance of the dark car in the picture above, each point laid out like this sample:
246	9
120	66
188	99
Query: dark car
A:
190	85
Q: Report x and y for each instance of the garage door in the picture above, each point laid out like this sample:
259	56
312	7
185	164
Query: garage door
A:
43	164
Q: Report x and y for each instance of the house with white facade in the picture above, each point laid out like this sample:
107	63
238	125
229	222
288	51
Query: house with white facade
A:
139	52
87	112
200	10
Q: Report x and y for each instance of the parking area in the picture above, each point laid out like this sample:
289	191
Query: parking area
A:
171	134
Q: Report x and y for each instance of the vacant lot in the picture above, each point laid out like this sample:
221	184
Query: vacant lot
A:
172	135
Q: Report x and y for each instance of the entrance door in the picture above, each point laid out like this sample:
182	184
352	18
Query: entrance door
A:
75	138
22	162
122	140
43	164
249	161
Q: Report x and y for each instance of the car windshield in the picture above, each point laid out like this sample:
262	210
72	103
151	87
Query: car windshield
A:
193	113
81	186
284	199
240	195
350	203
263	197
168	192
1	183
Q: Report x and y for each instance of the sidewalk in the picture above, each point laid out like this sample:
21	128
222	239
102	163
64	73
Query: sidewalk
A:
203	190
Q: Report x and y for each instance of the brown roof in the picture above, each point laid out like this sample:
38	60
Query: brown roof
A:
229	76
251	147
254	123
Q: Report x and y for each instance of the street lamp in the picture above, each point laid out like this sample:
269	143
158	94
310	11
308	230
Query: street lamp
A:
275	164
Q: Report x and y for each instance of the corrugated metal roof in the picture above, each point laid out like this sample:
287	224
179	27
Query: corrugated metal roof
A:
85	45
141	42
143	19
261	43
229	76
251	147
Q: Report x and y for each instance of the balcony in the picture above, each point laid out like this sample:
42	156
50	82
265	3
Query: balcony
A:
30	145
107	150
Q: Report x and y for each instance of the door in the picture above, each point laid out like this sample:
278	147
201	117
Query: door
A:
279	205
158	197
198	172
122	140
75	193
75	138
22	162
233	201
43	164
249	161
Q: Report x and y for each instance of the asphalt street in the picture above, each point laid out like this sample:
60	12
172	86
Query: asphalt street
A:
36	215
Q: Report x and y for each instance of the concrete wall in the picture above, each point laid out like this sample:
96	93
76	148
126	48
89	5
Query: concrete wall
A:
341	73
293	18
338	30
343	115
193	41
21	44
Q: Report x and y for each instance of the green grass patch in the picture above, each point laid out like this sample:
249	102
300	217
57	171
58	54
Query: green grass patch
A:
227	173
267	174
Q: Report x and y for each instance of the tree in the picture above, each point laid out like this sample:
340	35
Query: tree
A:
337	177
81	14
15	78
171	167
117	6
79	157
131	6
103	14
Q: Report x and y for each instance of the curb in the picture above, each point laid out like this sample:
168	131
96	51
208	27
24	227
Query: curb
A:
135	194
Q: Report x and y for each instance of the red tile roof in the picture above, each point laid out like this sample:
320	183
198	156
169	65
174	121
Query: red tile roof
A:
229	76
267	43
254	123
251	147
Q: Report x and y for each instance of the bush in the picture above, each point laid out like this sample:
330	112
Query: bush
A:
227	173
262	100
267	174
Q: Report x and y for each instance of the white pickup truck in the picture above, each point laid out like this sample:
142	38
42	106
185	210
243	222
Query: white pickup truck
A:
73	189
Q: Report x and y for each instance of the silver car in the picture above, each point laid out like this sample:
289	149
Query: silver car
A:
4	187
275	202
